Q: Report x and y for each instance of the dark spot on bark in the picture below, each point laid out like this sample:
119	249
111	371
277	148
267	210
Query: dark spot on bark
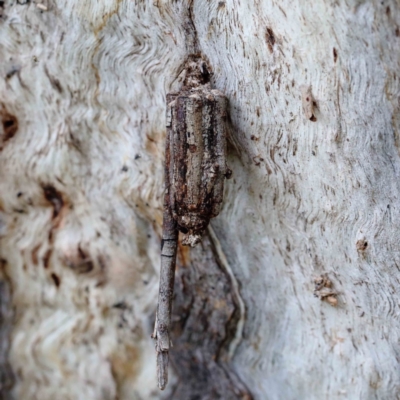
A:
10	124
334	55
57	85
81	253
192	148
387	10
85	265
252	137
11	72
137	156
361	245
270	39
46	259
397	32
56	279
1	3
121	305
313	118
124	168
258	112
19	194
183	229
54	197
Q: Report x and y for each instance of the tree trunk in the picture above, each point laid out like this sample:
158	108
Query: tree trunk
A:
292	293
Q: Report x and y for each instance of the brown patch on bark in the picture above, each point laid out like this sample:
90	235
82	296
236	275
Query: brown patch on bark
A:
184	255
152	144
205	318
308	102
335	55
46	258
85	264
56	279
125	364
324	290
9	124
55	198
35	259
361	246
80	261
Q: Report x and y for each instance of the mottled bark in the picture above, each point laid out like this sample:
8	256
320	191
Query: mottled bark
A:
308	227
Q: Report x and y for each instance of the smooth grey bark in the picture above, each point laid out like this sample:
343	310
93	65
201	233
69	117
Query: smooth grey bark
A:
313	89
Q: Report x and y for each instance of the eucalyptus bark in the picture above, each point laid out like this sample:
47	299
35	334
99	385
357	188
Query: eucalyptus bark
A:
293	293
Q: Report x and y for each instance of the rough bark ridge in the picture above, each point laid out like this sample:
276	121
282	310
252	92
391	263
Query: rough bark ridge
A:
314	91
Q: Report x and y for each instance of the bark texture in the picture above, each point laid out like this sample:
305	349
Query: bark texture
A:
314	103
6	322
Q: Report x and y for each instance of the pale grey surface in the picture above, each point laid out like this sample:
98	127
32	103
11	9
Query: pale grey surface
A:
88	90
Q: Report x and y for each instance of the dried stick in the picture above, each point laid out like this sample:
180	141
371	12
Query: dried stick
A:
169	245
